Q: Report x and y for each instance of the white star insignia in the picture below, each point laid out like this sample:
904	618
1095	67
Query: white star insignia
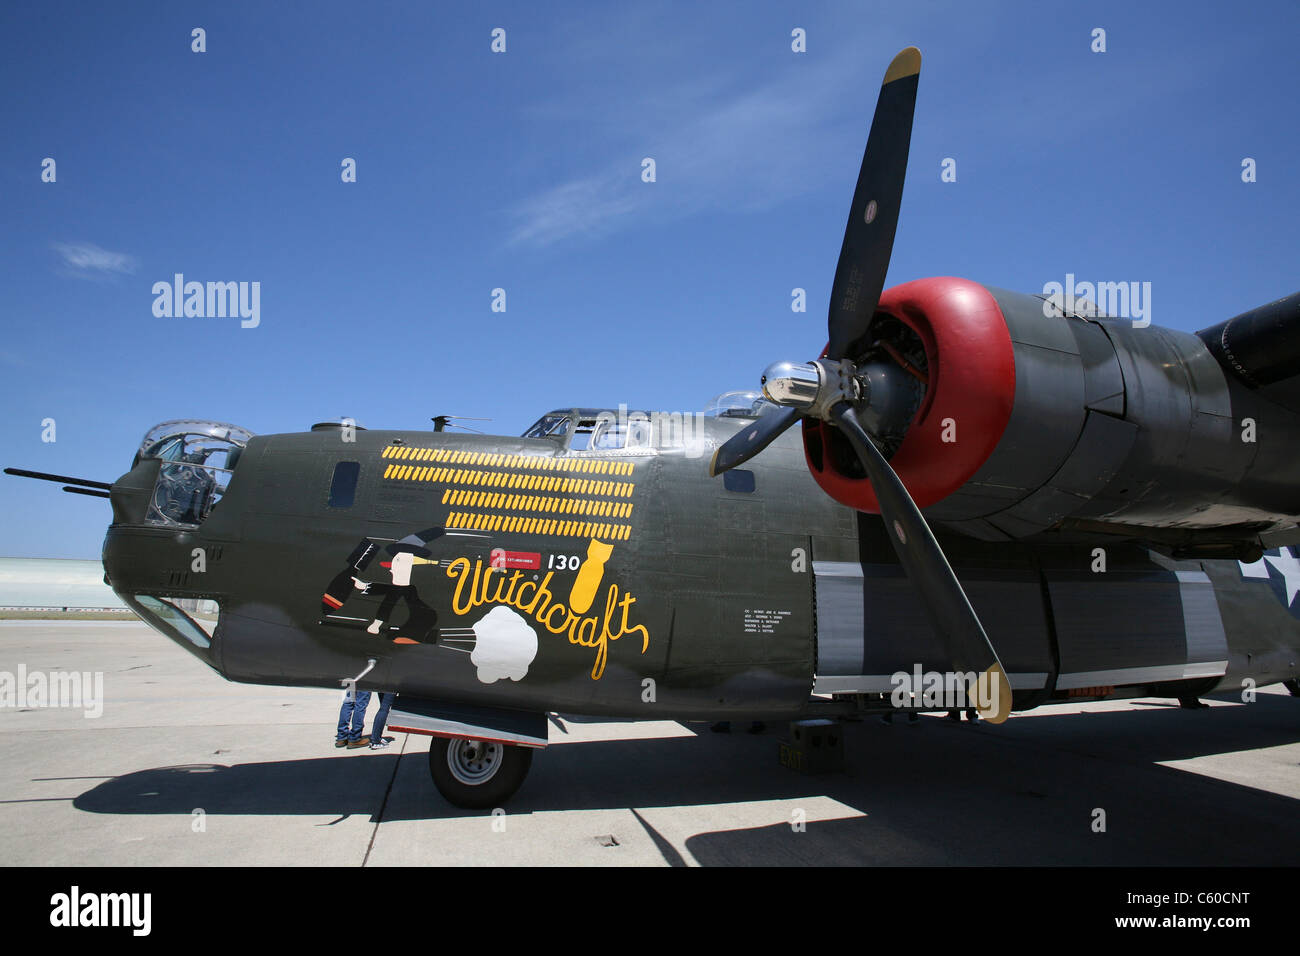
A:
1290	568
1285	562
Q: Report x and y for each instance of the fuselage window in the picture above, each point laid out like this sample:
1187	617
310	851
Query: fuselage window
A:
738	479
343	489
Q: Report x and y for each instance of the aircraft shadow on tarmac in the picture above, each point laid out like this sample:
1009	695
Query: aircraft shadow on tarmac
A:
937	793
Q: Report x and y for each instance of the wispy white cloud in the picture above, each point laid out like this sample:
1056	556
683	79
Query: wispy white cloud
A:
578	207
88	259
715	145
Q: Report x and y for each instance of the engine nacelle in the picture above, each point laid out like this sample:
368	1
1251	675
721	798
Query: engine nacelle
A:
1033	419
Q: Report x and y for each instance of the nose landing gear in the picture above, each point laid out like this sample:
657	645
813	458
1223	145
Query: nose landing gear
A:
477	774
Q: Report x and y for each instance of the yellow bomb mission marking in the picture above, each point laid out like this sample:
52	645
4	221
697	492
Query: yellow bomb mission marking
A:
482	584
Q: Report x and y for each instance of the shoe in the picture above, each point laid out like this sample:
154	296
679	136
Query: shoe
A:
379	744
757	727
340	741
721	727
354	744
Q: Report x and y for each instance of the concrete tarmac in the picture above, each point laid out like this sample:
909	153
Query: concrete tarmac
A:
184	768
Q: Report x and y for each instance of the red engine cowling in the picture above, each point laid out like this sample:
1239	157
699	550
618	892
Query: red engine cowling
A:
971	389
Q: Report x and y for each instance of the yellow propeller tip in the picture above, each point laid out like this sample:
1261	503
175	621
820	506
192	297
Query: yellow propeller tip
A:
907	63
713	462
996	705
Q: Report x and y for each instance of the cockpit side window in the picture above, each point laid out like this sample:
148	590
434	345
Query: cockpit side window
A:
547	426
582	435
613	434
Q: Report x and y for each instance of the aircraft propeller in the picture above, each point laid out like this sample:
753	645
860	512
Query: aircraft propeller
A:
836	390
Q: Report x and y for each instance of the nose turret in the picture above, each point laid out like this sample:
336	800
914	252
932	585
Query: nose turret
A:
156	555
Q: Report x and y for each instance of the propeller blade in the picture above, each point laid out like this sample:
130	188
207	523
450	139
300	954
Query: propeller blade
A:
751	439
873	217
959	627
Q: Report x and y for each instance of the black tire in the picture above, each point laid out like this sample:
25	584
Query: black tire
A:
455	762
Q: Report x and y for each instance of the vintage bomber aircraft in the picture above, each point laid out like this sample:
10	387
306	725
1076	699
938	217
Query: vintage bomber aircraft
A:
1119	504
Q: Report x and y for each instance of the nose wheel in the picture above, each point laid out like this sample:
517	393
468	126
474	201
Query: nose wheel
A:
477	774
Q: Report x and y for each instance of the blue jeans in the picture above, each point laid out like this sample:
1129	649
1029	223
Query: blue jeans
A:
381	718
355	713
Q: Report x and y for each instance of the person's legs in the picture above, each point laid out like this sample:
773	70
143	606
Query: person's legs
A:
381	718
345	718
359	715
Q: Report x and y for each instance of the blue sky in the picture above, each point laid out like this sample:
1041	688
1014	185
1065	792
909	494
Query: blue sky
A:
522	171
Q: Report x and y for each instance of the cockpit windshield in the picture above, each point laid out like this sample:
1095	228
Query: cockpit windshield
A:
198	459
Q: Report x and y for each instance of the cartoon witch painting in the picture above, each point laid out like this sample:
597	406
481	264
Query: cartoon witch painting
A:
421	619
420	626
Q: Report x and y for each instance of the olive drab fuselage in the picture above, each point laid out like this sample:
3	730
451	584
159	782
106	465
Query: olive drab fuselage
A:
524	573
